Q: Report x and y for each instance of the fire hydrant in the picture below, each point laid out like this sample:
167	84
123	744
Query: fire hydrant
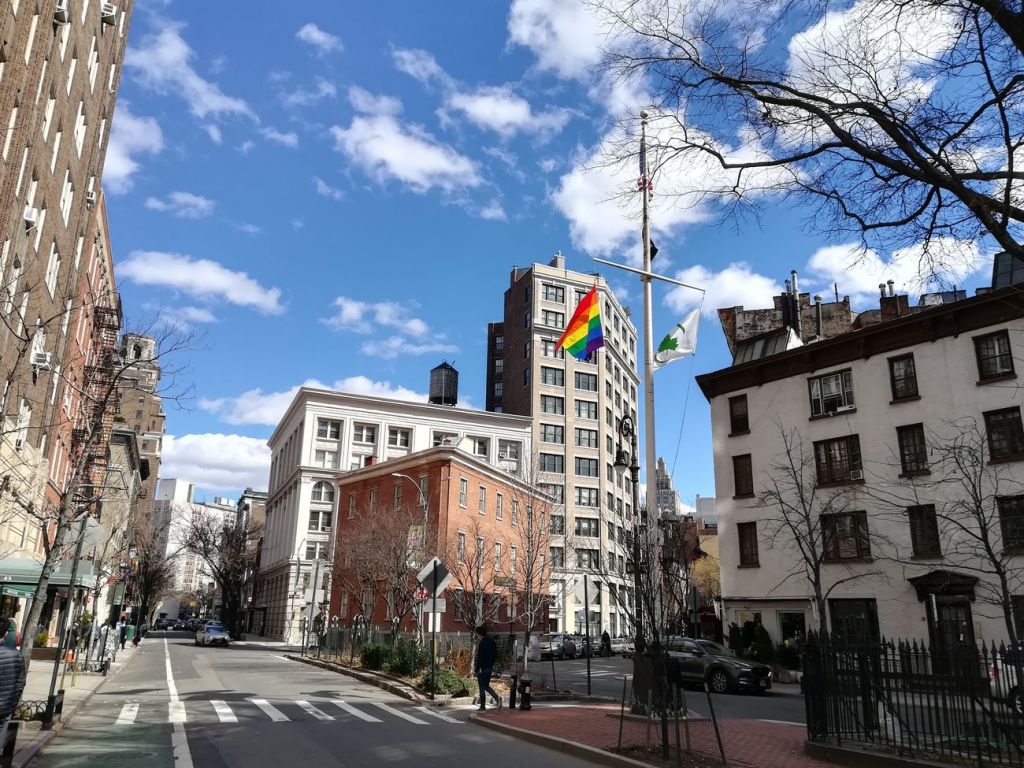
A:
524	694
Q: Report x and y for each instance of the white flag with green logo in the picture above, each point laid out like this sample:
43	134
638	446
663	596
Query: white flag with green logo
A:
679	342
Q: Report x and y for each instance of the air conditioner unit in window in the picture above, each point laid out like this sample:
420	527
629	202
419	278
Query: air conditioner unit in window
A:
60	12
31	217
845	408
90	198
325	529
41	360
856	474
108	13
18	444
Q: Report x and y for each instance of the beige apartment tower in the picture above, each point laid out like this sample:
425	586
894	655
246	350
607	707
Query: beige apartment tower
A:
576	406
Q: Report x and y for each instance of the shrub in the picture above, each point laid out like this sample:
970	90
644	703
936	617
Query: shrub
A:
735	639
761	648
447	682
461	661
788	656
376	656
408	658
42	636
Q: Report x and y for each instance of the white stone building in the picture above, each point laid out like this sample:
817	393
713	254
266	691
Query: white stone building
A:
877	405
325	433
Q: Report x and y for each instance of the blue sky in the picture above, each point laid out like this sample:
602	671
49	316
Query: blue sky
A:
340	197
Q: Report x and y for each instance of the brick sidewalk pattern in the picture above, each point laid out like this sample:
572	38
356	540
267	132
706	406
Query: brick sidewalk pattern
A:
748	743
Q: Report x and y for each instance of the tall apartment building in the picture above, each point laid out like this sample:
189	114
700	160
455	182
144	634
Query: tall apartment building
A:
141	407
575	407
59	72
668	496
322	435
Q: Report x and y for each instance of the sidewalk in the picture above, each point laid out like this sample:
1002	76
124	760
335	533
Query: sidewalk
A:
263	642
748	743
31	738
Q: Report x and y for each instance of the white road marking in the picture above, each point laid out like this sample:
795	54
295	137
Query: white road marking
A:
224	712
176	711
309	708
400	713
438	715
357	712
275	714
783	722
179	739
128	714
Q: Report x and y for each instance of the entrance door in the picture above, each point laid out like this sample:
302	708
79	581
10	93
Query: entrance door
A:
952	634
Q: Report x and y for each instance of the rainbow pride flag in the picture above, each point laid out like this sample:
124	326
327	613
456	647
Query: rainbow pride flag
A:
583	335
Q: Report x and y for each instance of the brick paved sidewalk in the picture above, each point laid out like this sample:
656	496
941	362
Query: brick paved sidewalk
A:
748	743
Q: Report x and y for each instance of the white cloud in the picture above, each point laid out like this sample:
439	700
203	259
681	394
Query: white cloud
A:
399	346
735	285
493	211
217	461
548	164
323	41
184	205
361	316
202	278
325	189
288	139
258	407
162	63
247	228
186	317
130	136
300	97
246	147
565	36
214	133
498	109
366	102
298	223
420	65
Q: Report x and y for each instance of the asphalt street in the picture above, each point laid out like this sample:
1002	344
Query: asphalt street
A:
606	680
179	706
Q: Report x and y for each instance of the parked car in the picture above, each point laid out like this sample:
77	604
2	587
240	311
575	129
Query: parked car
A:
622	646
213	634
1002	675
557	645
181	624
695	661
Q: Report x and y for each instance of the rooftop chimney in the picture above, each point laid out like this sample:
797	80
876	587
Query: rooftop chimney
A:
558	261
796	289
881	290
817	316
890	284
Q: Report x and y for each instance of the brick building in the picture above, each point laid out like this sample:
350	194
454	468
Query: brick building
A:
141	407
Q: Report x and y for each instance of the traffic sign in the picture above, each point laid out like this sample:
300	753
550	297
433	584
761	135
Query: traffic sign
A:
435	569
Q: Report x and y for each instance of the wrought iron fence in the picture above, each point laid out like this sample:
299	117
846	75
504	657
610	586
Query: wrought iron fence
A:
960	704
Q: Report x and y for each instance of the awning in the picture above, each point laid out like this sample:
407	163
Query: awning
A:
24	572
944	583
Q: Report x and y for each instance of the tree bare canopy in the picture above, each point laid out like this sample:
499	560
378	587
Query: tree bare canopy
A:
899	120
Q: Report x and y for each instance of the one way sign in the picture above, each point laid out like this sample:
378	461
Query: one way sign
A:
435	577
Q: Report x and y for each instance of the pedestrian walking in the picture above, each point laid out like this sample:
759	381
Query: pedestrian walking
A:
486	656
606	644
123	634
12	677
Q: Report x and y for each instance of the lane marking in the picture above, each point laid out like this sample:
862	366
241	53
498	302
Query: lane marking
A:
400	713
309	708
224	712
179	739
783	722
439	715
176	712
275	714
357	712
128	714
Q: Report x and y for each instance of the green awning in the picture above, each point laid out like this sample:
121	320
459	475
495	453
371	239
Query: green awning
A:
26	593
24	572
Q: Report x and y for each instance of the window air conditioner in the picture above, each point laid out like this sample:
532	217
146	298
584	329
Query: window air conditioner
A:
60	12
90	198
108	13
845	408
325	529
31	216
856	474
41	360
18	443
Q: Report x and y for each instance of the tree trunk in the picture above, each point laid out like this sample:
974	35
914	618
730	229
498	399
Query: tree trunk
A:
29	628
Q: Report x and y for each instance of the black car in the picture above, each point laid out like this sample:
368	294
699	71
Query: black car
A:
700	661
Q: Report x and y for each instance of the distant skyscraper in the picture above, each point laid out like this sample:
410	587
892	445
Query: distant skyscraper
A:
668	497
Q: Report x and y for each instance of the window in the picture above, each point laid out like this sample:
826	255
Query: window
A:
509	450
526	349
527	319
513	557
460	548
924	531
328	459
831	393
399	438
323	491
499	343
554	377
903	377
838	460
556	492
499	390
552	462
586	438
480	550
913	450
330	430
587	497
550	348
12	120
398	495
499	366
1005	434
588	558
481	446
53	269
515	511
588	526
79	130
608	417
481	506
586	410
739	422
554	293
747	535
558	524
526	377
365	434
497	555
313	551
743	475
552	433
557	557
586	381
319	520
373	500
844	536
351	505
1011	521
854	620
586	467
552	404
443	438
499	506
463	492
552	319
995	360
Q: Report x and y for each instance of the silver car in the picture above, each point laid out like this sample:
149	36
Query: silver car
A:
213	634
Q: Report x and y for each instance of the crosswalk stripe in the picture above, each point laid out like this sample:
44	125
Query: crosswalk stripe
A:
400	713
439	715
275	714
318	714
357	712
176	711
224	712
128	714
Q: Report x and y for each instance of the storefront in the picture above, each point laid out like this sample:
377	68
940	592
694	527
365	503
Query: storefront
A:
19	578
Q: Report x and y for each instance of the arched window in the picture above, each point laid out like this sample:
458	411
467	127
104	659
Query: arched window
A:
323	491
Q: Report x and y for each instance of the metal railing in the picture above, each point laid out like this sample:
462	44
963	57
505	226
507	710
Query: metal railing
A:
961	704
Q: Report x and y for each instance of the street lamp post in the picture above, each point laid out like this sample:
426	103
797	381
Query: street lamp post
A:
423	537
623	461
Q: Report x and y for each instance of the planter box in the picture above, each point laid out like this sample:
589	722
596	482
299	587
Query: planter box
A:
44	654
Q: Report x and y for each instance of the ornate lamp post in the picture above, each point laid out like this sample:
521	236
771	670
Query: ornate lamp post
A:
630	461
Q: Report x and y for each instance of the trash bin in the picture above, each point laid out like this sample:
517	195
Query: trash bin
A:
129	632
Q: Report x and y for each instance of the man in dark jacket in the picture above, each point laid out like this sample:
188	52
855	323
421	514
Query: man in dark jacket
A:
486	655
12	676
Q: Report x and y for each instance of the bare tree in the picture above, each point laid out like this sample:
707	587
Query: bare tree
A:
399	545
475	578
154	574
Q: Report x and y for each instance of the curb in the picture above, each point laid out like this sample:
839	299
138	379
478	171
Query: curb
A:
566	747
26	754
398	690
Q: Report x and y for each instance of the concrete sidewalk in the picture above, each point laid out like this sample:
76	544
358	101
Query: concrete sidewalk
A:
747	743
77	692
